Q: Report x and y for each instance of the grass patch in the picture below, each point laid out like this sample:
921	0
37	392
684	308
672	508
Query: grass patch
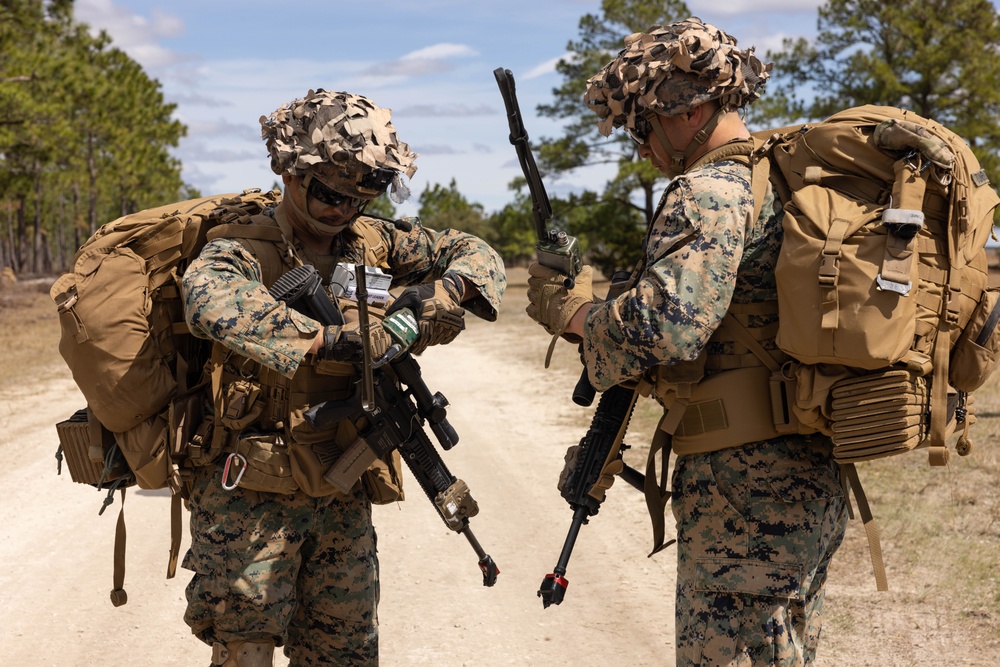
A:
29	333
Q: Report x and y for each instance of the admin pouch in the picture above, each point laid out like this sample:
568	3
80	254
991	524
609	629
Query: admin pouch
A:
883	299
130	352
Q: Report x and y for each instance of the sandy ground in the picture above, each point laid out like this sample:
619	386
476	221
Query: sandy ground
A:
515	421
514	426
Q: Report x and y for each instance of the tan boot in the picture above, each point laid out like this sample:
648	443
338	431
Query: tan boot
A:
244	653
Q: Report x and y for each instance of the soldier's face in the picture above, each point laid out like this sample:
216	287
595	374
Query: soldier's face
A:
322	203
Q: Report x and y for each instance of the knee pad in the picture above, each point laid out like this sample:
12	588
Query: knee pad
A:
244	653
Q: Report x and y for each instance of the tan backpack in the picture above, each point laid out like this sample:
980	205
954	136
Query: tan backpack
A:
126	342
883	298
882	280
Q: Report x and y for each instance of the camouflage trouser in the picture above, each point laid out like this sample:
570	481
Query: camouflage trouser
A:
299	570
757	526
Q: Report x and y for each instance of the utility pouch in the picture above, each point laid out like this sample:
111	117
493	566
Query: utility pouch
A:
260	462
203	447
974	356
381	477
383	481
243	403
147	452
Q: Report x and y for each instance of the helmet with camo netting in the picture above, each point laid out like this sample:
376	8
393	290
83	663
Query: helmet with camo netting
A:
672	69
344	140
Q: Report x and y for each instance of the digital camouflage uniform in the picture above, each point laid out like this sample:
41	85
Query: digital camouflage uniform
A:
757	523
300	568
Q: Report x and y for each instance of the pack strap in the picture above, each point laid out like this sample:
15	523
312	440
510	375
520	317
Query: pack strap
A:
741	334
118	594
376	251
747	152
851	482
238	231
903	221
937	453
829	275
176	528
655	485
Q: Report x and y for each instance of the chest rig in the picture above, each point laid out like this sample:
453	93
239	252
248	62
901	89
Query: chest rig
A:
258	412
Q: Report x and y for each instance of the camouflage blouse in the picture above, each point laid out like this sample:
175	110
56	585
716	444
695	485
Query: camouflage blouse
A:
225	300
700	254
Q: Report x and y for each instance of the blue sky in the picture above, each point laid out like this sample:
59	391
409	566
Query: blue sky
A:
227	62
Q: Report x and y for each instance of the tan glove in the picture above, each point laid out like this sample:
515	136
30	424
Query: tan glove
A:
343	343
571	455
440	318
604	480
553	305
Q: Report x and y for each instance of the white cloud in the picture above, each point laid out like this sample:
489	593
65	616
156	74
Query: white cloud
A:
546	67
136	35
199	152
439	51
439	110
701	7
434	149
428	60
219	128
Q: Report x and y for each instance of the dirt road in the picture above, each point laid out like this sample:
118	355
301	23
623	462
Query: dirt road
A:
514	421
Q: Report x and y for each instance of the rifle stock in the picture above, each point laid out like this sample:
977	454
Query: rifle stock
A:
396	422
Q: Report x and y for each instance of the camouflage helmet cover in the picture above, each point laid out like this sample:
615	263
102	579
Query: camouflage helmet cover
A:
340	137
672	69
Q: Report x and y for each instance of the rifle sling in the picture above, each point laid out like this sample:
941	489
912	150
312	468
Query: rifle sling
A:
655	486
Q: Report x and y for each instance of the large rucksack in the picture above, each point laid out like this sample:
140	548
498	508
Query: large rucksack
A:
883	296
882	279
126	342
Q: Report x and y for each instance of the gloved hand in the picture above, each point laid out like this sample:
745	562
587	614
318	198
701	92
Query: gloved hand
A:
343	343
553	305
604	481
440	318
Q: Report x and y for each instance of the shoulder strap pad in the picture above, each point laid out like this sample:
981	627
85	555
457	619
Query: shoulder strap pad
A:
375	249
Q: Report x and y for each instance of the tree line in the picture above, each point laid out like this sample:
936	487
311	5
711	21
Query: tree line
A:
85	133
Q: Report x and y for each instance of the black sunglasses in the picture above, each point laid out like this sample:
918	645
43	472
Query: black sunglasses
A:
327	195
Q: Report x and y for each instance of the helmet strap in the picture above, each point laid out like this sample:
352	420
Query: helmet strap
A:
679	159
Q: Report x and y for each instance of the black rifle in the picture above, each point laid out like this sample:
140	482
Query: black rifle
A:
555	248
612	415
402	404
